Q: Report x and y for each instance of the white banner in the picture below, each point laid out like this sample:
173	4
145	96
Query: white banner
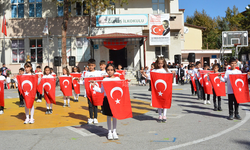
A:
159	26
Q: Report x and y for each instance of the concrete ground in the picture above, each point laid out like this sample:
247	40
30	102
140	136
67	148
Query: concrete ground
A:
190	125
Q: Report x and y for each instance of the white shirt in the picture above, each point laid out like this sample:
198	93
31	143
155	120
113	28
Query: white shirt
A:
47	76
148	74
226	79
2	77
160	70
101	90
102	73
90	74
196	72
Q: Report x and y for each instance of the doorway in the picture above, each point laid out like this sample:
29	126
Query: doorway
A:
206	61
118	57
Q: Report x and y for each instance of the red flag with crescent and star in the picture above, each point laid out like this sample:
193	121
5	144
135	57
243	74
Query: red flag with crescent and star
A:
193	82
28	87
66	85
219	87
119	98
48	84
207	85
200	80
75	82
239	83
2	93
161	86
95	98
157	29
122	72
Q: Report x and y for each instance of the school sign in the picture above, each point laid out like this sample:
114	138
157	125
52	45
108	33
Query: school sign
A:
122	20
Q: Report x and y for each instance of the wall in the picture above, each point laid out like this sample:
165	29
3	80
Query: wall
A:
193	39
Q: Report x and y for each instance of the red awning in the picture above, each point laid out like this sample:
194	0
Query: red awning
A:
116	36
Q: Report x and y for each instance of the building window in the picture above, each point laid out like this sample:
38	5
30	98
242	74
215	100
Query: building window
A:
18	53
36	50
158	6
60	8
165	52
17	8
83	50
35	8
68	47
81	9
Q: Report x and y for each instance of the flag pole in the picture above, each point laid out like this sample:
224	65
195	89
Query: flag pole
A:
3	53
48	47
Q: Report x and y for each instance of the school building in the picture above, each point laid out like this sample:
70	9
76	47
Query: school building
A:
125	28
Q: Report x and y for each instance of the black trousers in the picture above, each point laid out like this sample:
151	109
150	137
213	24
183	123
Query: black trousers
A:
199	89
204	95
149	85
232	101
177	81
1	108
39	96
182	81
214	100
21	98
91	107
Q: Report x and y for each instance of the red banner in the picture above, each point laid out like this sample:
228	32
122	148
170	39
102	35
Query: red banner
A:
239	83
2	93
161	84
48	84
207	84
193	82
66	85
28	86
95	97
75	82
219	87
118	98
122	72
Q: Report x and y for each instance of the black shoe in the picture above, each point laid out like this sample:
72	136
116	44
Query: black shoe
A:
215	109
237	117
231	117
77	100
50	111
219	109
47	111
156	111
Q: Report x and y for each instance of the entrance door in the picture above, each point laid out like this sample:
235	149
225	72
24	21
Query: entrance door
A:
206	61
118	57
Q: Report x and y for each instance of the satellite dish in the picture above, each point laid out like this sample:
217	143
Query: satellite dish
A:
186	30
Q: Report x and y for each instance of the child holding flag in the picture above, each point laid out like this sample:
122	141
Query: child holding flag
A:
66	74
216	70
2	79
75	70
110	69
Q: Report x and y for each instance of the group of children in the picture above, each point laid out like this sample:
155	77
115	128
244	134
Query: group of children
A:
195	72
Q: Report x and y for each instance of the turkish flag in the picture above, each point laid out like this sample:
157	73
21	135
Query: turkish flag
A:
193	82
75	82
219	87
28	87
119	98
2	93
201	81
239	83
95	98
66	85
157	29
161	84
207	84
39	88
48	84
122	72
4	28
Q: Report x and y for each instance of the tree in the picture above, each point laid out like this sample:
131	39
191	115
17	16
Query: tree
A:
93	7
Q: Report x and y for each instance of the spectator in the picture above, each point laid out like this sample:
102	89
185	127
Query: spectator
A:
143	78
238	63
4	70
215	62
211	66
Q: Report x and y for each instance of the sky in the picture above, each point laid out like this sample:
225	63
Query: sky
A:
213	8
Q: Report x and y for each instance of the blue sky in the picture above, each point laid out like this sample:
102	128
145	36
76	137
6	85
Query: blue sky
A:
213	8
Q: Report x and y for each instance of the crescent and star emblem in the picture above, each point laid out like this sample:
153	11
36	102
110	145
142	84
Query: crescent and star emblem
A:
239	80
163	82
31	86
215	81
116	89
66	81
47	83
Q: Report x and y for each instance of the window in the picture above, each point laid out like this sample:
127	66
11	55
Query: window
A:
68	47
17	8
18	53
81	9
60	8
164	52
35	8
36	50
111	9
158	6
83	49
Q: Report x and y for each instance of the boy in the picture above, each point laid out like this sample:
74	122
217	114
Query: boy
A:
102	68
231	98
206	101
190	72
196	73
1	78
91	73
21	72
119	67
39	72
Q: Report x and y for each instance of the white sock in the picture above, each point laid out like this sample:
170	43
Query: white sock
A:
68	100
27	112
32	110
47	105
77	96
114	124
74	95
109	123
164	112
51	105
64	99
159	111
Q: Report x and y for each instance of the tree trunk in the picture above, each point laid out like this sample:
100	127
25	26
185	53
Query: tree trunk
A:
64	31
